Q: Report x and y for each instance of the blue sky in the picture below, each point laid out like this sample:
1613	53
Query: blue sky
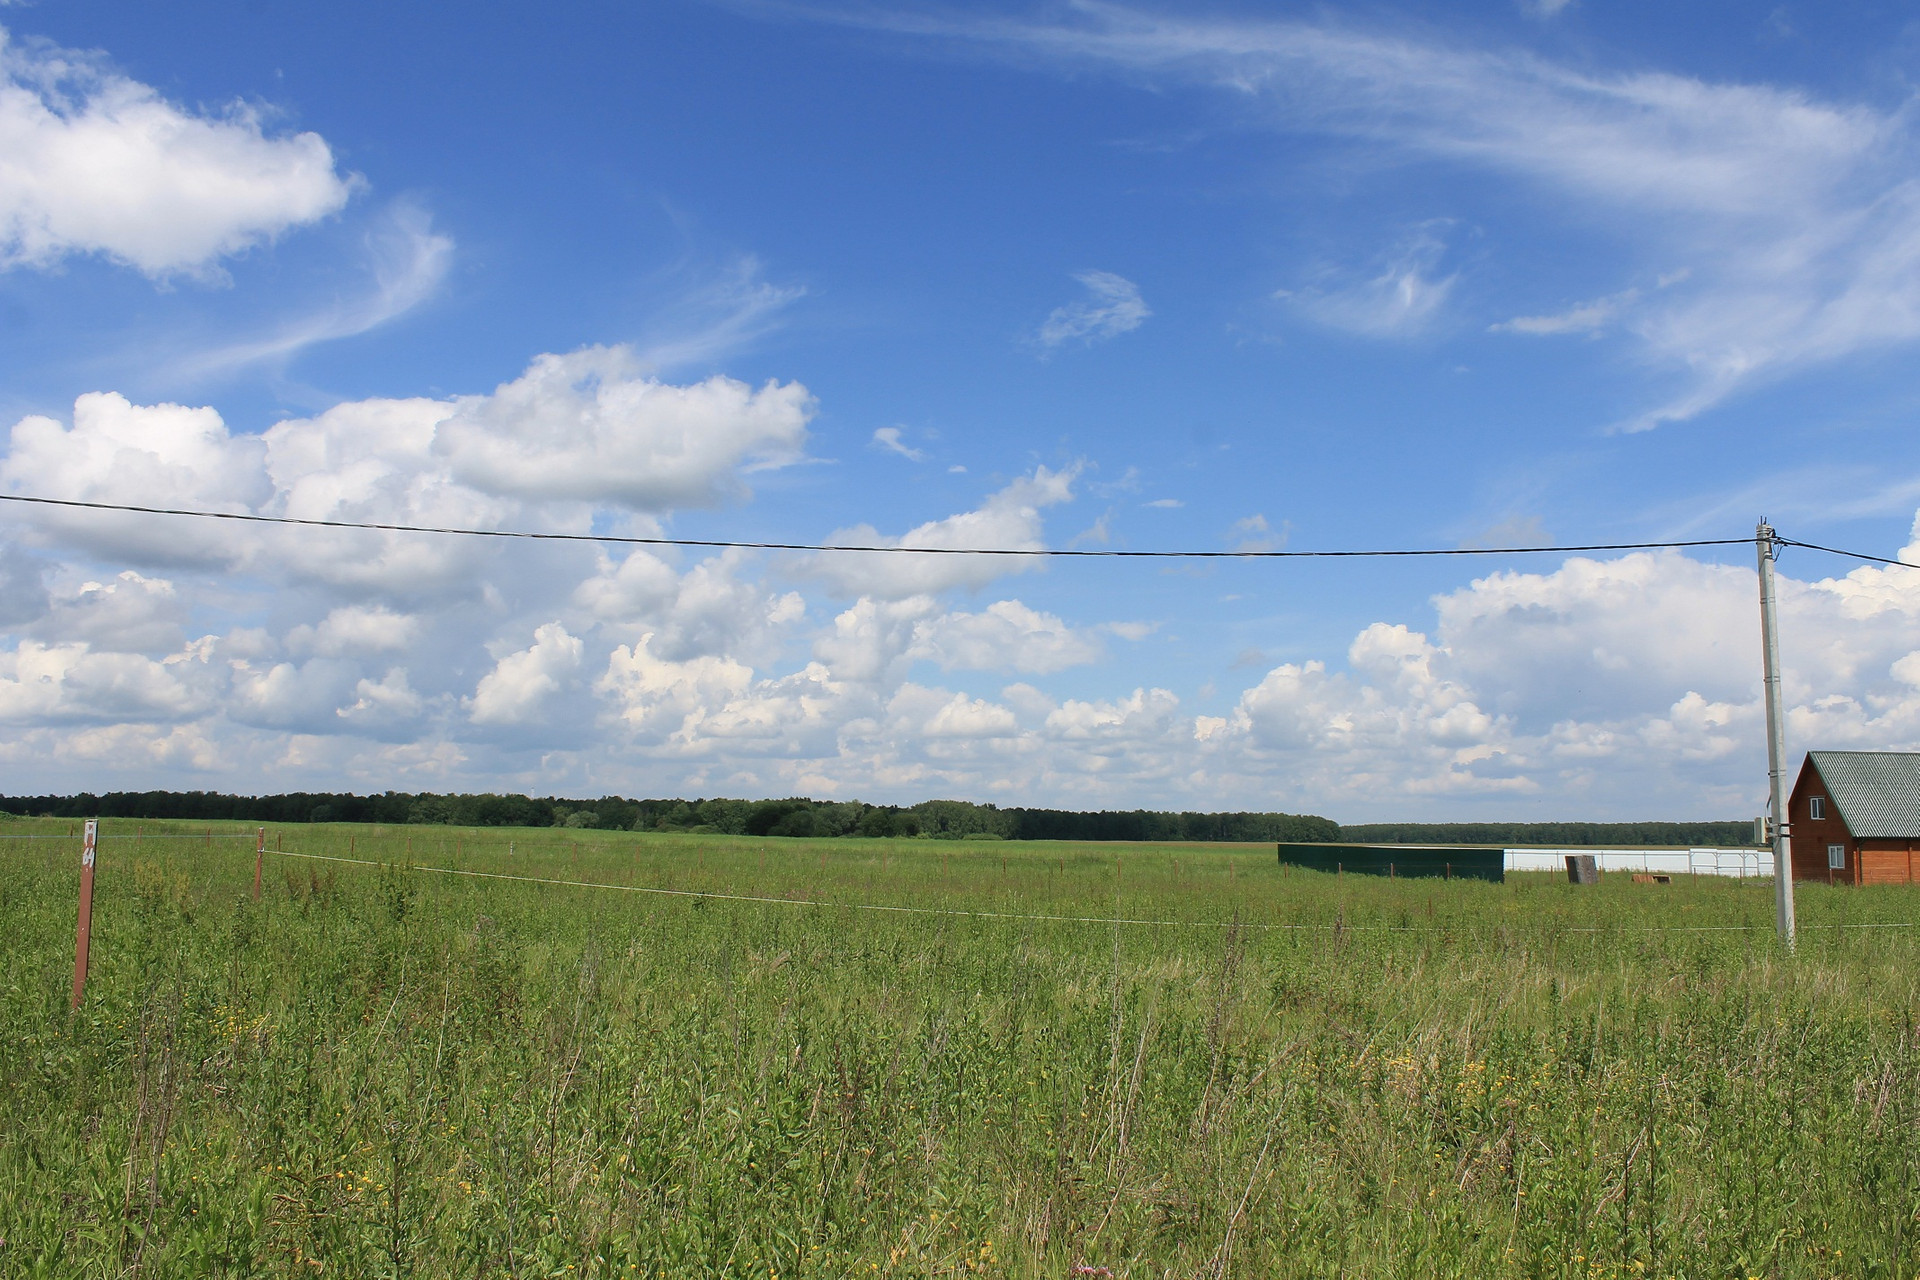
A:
1036	275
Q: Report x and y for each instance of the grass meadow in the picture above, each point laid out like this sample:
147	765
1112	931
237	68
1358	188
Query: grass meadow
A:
379	1070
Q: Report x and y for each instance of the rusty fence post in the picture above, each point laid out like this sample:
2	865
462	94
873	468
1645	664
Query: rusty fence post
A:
259	857
83	932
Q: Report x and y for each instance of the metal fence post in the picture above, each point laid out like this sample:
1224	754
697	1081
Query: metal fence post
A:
83	933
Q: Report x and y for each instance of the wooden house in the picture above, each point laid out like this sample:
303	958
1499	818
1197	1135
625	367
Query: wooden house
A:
1854	817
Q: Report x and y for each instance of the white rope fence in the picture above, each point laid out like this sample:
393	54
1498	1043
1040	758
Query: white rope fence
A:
767	900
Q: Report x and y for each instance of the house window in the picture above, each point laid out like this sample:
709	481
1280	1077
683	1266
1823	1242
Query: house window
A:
1836	857
1817	808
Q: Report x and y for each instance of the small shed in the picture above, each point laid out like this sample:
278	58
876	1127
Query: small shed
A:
1854	817
1447	861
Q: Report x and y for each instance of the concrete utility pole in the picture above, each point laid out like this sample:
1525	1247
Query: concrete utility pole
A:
1776	735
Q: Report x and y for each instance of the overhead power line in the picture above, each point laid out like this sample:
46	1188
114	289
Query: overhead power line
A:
737	545
1855	555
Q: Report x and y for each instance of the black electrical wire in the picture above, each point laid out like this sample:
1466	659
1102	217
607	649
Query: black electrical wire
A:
727	544
1854	555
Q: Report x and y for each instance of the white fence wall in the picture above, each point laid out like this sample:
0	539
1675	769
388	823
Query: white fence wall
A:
1673	862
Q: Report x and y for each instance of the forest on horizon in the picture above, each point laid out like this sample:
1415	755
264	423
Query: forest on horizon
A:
799	816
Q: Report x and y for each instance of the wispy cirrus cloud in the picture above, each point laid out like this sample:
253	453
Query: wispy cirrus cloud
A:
1592	318
1584	317
1113	306
407	261
718	316
1797	217
1402	298
888	439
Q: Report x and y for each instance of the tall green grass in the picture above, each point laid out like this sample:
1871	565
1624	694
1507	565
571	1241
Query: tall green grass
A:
383	1070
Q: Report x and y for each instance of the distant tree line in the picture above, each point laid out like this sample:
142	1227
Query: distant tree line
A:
1552	835
796	816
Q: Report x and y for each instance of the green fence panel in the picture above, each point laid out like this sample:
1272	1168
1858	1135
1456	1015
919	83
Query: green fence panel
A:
1448	861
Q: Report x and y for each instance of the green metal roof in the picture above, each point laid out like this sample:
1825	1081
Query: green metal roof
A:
1876	792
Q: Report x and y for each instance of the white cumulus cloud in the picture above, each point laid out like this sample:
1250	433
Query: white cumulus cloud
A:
1005	636
130	613
590	427
388	701
656	697
356	629
67	682
350	659
520	682
148	455
572	433
964	717
1008	520
92	162
1612	684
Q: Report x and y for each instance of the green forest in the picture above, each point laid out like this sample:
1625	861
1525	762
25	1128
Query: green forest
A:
1552	835
799	816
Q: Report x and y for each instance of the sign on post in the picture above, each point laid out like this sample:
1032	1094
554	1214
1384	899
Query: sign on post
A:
84	932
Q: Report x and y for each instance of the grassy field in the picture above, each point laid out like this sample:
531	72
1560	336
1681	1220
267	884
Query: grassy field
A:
377	1071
